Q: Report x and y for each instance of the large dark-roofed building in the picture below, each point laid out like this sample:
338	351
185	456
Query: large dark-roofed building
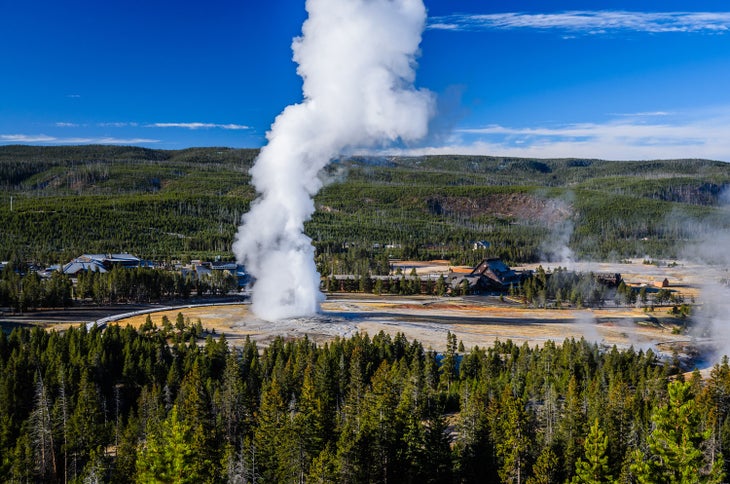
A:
102	263
493	274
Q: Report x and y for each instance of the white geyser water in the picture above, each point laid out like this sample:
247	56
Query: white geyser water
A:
357	62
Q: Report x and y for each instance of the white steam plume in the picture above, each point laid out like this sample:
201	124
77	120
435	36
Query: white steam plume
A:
711	251
357	60
585	324
556	247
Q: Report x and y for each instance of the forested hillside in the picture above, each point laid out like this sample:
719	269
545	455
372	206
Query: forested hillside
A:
153	405
186	204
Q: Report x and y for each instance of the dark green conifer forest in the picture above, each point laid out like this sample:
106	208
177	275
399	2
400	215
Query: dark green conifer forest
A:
59	202
165	405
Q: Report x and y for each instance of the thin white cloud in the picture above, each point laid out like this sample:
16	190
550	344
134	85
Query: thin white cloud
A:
590	22
122	141
73	96
66	125
26	138
42	138
631	132
691	135
644	114
118	124
197	126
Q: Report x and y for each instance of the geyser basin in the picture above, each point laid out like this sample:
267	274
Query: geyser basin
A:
428	320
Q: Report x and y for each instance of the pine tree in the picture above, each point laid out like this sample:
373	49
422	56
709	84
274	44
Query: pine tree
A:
618	413
473	446
378	288
449	364
167	455
437	460
85	424
410	413
571	426
380	424
324	468
21	460
546	468
441	286
714	403
230	401
310	420
594	469
464	287
180	322
675	455
194	409
267	438
513	437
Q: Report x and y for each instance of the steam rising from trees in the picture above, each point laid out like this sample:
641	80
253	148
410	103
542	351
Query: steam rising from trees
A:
357	62
556	247
714	313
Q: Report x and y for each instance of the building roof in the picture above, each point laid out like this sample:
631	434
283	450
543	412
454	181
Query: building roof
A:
111	257
202	269
224	266
77	265
497	271
101	263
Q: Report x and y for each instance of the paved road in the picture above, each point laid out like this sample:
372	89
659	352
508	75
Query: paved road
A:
89	314
76	314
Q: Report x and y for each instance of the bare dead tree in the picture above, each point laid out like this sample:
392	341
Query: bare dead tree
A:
63	410
42	432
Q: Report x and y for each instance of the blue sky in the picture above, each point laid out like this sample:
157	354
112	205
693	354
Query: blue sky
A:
623	80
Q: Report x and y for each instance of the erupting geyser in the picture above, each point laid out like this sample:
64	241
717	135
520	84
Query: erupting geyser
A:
357	60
